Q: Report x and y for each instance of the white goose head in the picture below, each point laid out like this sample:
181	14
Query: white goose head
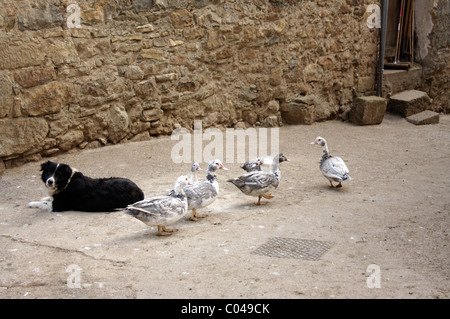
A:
320	141
181	183
216	164
195	167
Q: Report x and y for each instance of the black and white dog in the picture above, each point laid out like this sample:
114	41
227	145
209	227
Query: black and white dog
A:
71	190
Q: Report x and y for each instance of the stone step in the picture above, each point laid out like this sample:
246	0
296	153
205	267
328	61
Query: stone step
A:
368	110
409	102
396	81
425	117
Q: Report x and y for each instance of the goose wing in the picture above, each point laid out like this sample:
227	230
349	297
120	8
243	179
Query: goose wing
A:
334	167
200	194
157	206
258	179
255	183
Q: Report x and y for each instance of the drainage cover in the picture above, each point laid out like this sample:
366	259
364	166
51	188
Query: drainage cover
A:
282	247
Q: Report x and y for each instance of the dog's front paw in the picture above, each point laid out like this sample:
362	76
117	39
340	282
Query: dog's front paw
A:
34	204
44	205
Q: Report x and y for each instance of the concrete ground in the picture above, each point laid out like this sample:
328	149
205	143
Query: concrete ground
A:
383	235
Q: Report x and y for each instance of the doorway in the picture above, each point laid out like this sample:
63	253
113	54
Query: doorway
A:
400	33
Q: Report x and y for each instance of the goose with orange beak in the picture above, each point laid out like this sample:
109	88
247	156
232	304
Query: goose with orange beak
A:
202	194
260	183
332	167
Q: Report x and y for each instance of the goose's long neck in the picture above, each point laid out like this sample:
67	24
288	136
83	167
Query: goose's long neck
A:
210	176
210	173
193	178
325	151
275	168
179	190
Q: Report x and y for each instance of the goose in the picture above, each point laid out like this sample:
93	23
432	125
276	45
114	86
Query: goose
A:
162	210
260	183
252	165
256	163
193	178
332	167
194	168
202	194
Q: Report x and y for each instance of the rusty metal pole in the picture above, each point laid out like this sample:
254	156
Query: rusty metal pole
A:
384	13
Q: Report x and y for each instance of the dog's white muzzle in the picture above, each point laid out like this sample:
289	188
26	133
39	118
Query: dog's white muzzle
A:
50	183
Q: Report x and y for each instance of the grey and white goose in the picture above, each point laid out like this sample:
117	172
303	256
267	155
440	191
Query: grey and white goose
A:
162	210
256	163
252	165
202	194
332	167
193	177
261	183
194	168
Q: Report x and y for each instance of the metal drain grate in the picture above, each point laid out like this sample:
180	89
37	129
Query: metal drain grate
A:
293	248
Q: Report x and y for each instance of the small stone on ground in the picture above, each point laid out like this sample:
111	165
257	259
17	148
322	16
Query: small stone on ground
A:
425	117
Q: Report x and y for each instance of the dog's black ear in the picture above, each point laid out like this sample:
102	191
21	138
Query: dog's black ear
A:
45	165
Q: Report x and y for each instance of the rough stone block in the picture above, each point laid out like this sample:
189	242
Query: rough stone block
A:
40	17
46	99
34	77
93	16
145	28
297	113
132	72
153	54
70	140
20	53
368	110
181	19
142	5
6	96
407	103
152	115
396	81
425	117
22	135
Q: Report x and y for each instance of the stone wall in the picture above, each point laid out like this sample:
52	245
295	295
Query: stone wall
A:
138	68
436	57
